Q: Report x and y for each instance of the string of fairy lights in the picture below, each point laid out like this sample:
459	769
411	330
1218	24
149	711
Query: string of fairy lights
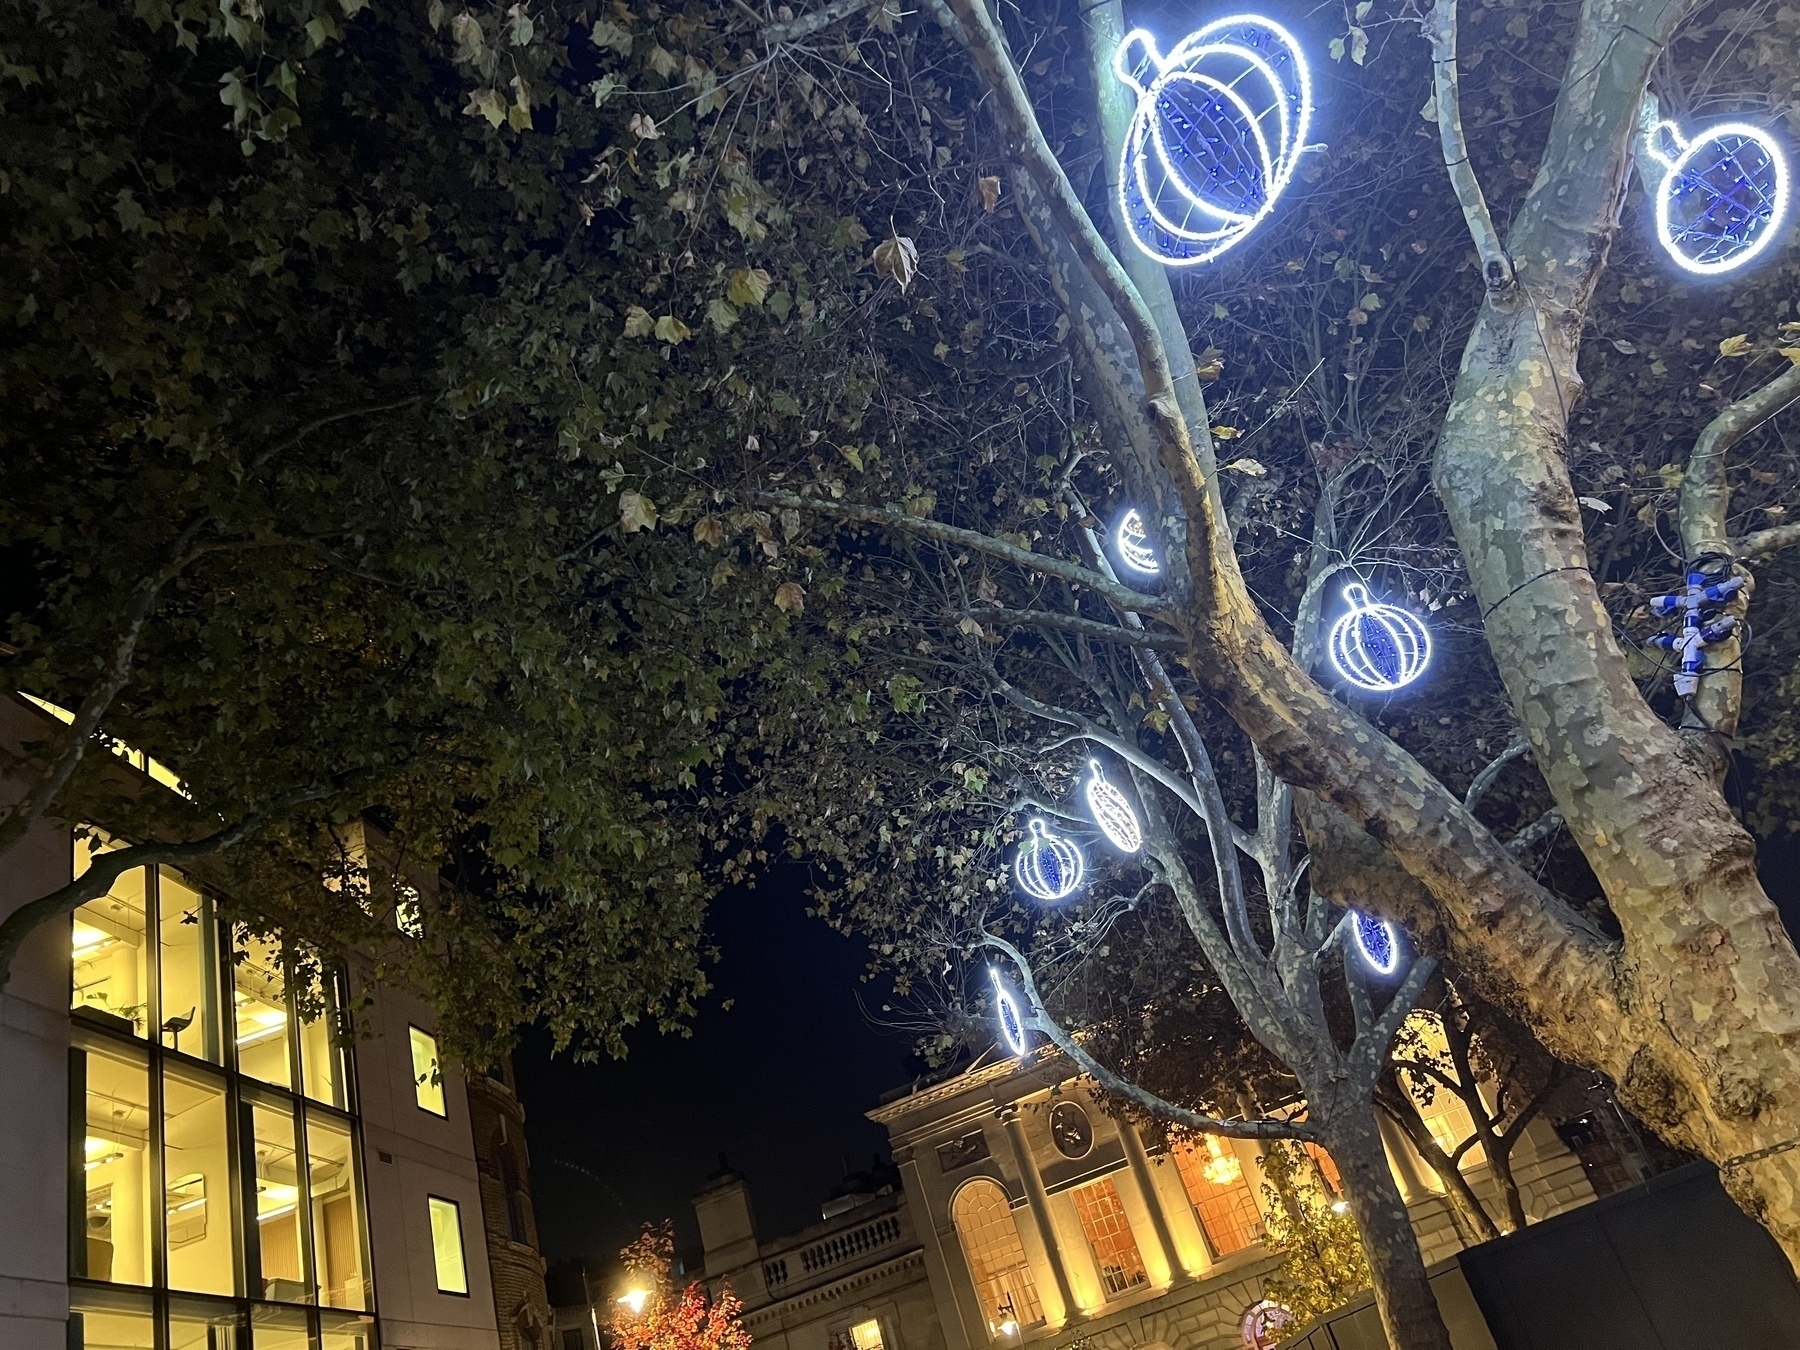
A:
1219	127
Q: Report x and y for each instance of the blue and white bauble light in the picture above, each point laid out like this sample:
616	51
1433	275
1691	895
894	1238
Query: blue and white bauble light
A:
1048	867
1133	544
1006	1012
1377	942
1220	124
1724	197
1112	812
1378	647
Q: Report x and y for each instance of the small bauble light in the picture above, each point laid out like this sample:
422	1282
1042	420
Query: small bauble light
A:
1112	812
1724	197
1220	124
1048	867
1378	647
1133	544
1006	1012
1377	942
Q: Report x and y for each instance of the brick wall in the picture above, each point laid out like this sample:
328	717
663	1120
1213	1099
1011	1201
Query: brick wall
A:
520	1302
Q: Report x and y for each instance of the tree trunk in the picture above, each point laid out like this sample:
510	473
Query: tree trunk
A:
1472	1222
1403	1297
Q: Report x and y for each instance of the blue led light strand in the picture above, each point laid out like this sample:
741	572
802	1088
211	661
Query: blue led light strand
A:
1006	1012
1048	867
1724	197
1378	647
1220	124
1377	942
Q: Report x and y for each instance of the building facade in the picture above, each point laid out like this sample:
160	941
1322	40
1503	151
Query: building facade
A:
1021	1213
196	1157
1044	1220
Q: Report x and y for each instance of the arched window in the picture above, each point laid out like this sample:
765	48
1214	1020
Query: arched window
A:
1215	1183
990	1242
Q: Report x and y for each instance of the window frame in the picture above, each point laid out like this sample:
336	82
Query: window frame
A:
462	1244
442	1111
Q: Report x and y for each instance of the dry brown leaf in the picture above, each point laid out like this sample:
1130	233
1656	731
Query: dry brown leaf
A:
897	257
990	192
790	597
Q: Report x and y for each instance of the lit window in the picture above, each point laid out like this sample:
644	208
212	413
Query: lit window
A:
428	1077
1222	1198
259	994
866	1335
336	1202
109	949
189	961
1109	1233
447	1246
117	1211
322	1075
196	1168
407	917
996	1256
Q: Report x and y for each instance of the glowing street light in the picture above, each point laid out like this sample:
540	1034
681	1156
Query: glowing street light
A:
634	1300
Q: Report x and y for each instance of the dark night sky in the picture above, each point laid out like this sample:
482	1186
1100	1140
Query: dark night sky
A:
778	1082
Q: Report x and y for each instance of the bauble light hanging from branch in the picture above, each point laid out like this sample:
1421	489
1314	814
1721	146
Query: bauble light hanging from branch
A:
1377	942
1723	197
1006	1012
1221	122
1112	811
1132	542
1378	647
1048	867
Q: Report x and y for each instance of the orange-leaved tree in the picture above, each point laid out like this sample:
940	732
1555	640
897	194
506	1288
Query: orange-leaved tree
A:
654	1316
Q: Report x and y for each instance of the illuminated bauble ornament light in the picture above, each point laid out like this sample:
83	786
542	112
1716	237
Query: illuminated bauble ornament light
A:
1377	942
1724	197
1006	1011
1048	867
1220	123
1112	812
1133	544
1376	646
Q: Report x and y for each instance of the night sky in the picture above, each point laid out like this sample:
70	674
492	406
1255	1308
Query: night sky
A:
778	1082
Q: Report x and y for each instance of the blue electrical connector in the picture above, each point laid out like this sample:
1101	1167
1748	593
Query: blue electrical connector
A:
1699	628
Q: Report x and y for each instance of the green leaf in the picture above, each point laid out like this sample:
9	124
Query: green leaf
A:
722	315
486	103
638	322
671	329
747	286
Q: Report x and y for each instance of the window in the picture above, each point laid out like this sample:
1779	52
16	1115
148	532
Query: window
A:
346	1331
322	1075
116	1319
428	1078
447	1246
513	1193
117	1212
996	1257
1445	1114
280	1257
259	997
1109	1233
572	1339
336	1208
196	1324
197	1181
1221	1197
866	1335
188	960
110	948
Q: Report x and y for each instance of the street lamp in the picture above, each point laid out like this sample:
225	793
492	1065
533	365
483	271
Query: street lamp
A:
634	1299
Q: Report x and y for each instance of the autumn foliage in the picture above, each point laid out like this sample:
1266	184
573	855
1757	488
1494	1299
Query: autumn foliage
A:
669	1319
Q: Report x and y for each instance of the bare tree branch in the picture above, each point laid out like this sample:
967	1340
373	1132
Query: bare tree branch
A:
1496	267
1038	1019
975	541
1070	623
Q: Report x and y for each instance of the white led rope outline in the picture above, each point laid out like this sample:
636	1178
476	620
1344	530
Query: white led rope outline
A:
1762	230
1133	544
1156	78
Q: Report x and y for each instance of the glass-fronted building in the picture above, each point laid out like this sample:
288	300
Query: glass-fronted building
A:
215	1160
200	1151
